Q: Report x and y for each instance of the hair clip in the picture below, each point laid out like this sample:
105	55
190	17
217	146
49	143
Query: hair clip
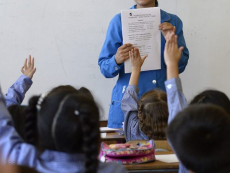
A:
40	100
76	112
201	99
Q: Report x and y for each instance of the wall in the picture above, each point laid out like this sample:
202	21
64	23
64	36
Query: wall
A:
66	37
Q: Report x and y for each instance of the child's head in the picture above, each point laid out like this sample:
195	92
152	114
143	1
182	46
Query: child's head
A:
213	97
200	137
67	120
153	114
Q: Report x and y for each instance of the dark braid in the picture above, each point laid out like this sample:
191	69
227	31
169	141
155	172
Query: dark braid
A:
31	121
18	115
91	136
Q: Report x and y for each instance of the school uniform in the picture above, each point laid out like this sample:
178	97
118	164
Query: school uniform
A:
16	93
14	150
149	79
176	103
129	106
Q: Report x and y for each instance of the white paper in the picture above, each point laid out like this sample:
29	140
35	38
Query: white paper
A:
107	129
168	158
140	27
103	135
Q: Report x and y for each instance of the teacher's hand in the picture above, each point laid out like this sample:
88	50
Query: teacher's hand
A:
123	53
166	28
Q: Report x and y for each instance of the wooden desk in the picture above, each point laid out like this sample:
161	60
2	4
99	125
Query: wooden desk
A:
112	136
156	166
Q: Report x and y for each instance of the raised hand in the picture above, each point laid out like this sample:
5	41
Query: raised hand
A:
28	69
172	55
136	59
136	62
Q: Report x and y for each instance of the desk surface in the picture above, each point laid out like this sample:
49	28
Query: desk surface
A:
156	166
112	136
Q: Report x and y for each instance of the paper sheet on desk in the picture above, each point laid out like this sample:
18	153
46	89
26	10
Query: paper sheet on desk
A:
140	27
168	158
103	135
107	129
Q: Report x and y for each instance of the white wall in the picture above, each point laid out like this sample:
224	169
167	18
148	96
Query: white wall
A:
66	37
206	30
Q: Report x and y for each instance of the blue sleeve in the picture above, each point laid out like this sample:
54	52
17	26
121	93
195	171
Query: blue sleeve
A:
129	106
12	148
181	42
16	93
176	103
113	41
175	97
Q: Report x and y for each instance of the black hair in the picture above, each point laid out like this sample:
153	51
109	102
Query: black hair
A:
24	120
213	97
156	3
68	121
18	115
200	137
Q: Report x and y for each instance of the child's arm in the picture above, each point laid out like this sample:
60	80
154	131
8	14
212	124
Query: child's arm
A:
136	62
176	99
17	91
12	148
129	103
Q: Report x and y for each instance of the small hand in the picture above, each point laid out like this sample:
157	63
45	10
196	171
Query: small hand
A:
123	53
28	69
166	28
172	53
136	59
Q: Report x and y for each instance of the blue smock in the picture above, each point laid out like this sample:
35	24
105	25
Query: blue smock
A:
148	79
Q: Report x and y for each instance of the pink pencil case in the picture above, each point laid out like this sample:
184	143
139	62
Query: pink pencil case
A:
128	153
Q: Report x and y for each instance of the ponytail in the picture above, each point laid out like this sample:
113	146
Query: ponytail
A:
31	121
91	136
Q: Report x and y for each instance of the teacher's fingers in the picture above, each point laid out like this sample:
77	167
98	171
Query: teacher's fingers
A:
165	26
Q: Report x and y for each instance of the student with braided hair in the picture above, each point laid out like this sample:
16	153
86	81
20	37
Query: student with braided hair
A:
68	135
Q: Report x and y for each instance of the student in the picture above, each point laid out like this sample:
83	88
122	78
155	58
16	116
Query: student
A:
145	119
17	91
214	97
68	135
114	53
198	133
14	98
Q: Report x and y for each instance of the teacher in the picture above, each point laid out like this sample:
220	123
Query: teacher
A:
114	54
